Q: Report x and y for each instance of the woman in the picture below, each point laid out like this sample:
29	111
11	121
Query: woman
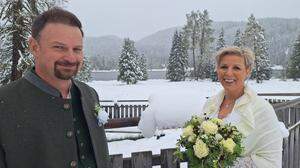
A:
239	105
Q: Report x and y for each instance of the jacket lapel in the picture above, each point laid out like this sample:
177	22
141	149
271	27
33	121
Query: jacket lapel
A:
88	105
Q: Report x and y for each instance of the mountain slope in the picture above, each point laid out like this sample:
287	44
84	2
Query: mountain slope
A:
280	34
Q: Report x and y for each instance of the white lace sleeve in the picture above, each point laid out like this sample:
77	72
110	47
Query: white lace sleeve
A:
244	162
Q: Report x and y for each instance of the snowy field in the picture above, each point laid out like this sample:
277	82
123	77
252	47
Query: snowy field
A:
114	90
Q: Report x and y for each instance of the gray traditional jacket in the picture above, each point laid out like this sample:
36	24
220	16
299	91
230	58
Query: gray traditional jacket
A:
36	129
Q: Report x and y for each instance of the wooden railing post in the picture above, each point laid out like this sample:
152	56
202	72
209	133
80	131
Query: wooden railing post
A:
297	139
141	159
116	161
168	159
116	111
291	148
285	155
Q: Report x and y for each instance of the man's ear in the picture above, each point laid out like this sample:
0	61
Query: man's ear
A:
33	46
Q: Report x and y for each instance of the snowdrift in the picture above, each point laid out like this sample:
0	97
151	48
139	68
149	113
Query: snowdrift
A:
170	110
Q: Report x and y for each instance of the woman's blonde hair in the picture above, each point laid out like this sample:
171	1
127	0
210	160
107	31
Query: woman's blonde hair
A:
245	53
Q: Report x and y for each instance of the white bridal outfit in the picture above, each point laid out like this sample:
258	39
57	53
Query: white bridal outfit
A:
256	120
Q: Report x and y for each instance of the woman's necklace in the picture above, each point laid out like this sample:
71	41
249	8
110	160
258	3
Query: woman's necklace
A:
228	105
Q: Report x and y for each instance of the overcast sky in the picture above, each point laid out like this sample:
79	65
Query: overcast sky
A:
138	18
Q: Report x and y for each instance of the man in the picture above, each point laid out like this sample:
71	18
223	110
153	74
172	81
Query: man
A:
47	119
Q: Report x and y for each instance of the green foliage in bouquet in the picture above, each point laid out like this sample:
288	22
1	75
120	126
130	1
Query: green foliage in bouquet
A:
209	143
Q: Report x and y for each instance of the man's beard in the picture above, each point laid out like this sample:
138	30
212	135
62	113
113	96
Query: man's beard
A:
65	74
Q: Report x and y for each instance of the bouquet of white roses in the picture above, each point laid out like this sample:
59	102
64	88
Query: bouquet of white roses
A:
209	143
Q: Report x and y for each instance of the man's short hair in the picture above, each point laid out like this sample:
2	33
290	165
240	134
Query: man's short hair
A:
54	15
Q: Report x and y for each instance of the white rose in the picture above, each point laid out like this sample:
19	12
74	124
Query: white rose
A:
209	127
188	131
200	149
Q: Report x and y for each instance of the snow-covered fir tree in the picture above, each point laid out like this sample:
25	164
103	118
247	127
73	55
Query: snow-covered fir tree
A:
238	39
262	70
17	16
254	37
294	61
143	67
129	70
84	74
13	35
178	59
221	41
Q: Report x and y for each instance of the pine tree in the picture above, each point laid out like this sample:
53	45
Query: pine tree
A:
238	39
84	74
254	37
178	59
143	67
17	16
129	70
294	61
221	40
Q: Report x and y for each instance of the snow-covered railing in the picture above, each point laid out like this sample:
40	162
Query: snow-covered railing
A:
279	94
124	108
124	113
275	98
133	108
